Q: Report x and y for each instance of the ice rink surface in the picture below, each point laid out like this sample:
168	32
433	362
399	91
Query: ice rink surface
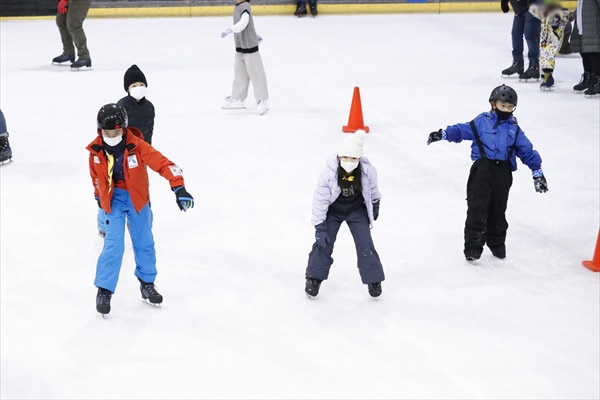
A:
235	322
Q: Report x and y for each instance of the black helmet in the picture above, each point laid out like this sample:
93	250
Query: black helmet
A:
504	93
112	116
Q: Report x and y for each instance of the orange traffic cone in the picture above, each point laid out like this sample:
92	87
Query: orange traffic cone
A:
594	265
355	120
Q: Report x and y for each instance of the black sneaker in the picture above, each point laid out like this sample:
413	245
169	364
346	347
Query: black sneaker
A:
149	293
312	5
374	289
300	9
63	58
103	301
312	287
82	62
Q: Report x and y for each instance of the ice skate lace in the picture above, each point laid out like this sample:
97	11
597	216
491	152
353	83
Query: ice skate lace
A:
103	298
151	290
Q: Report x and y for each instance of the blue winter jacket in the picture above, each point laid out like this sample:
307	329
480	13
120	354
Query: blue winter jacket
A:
498	139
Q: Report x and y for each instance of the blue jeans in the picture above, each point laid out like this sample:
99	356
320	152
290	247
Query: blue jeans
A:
529	26
140	230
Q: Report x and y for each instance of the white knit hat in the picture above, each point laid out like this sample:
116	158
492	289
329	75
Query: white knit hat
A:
352	146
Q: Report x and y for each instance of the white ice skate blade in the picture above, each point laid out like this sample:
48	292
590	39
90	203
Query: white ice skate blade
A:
233	106
84	68
155	305
546	89
310	297
10	160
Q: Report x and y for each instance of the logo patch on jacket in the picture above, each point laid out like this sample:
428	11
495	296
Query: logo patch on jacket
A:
96	160
132	161
175	170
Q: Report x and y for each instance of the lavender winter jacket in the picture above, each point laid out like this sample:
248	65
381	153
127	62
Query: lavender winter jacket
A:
328	189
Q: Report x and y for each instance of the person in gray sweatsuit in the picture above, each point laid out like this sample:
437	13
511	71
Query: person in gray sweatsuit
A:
69	19
248	65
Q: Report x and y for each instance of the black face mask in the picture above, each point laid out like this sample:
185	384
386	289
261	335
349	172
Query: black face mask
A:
502	115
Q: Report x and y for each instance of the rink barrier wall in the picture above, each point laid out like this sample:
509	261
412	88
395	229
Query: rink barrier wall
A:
163	8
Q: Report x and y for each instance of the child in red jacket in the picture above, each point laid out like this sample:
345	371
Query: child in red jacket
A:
118	160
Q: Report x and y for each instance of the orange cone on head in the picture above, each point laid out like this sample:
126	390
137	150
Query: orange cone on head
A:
355	120
594	265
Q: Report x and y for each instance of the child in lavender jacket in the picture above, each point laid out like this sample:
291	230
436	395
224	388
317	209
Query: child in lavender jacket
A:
347	191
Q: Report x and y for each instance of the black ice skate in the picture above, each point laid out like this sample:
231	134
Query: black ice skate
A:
547	82
300	9
149	293
375	289
585	83
594	88
472	255
103	301
62	59
82	62
532	72
517	67
312	287
5	150
312	5
499	251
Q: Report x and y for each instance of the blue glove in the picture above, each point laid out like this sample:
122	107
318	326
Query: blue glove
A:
376	210
321	235
226	32
184	199
258	38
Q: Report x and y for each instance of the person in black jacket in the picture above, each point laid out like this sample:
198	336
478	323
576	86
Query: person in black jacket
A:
140	110
524	25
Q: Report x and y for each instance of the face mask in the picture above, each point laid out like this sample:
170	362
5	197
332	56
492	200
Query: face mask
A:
138	92
349	166
112	141
502	115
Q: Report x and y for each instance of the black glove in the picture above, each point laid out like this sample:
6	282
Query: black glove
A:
98	201
434	137
504	6
184	199
321	235
376	210
540	184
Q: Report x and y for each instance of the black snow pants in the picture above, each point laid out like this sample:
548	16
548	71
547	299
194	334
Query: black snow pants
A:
487	197
369	265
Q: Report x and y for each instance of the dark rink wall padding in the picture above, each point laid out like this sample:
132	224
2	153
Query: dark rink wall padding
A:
22	8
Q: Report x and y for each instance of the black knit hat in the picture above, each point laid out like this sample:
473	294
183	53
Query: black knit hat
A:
133	75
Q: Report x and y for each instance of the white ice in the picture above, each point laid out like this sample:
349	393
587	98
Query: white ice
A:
235	322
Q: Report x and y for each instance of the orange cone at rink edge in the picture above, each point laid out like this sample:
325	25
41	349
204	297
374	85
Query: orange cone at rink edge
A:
594	265
355	120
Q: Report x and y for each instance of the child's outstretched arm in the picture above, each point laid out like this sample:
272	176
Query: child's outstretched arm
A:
240	26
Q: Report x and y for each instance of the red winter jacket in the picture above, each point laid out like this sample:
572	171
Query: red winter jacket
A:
138	155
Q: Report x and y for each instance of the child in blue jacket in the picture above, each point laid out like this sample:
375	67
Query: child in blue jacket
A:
497	141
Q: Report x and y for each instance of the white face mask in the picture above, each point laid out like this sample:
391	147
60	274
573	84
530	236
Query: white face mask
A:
349	166
138	92
112	141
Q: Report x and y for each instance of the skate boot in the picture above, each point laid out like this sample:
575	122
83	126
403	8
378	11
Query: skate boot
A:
499	251
532	72
63	58
312	287
375	289
232	103
150	294
300	9
262	106
517	67
472	254
5	150
547	82
594	88
82	62
103	301
312	5
584	83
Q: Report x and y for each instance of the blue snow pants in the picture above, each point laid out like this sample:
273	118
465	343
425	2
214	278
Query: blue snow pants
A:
529	26
140	229
369	265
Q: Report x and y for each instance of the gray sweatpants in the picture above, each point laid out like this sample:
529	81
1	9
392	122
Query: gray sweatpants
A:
70	26
249	67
